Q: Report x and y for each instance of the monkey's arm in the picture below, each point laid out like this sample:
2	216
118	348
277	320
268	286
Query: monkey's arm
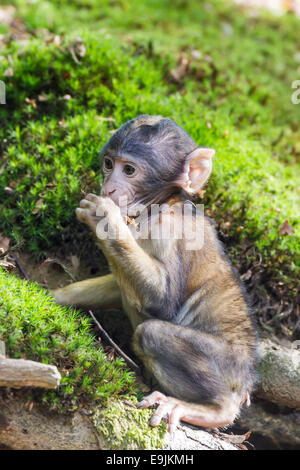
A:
101	292
142	276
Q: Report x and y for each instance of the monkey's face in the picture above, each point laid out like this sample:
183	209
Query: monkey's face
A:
132	182
121	179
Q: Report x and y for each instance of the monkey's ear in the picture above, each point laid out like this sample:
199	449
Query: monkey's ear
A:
196	170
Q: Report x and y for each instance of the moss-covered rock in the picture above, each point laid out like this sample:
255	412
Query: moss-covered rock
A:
124	426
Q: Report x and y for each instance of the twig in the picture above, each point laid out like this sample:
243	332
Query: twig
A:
59	263
105	336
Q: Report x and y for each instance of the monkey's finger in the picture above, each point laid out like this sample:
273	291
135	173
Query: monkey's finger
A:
85	204
152	399
93	198
81	214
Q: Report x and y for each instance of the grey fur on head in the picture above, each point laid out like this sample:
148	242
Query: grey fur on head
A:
158	144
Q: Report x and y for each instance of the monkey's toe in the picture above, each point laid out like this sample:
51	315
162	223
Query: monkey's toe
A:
167	406
153	399
170	408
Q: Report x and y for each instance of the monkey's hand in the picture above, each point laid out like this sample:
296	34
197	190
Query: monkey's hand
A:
102	215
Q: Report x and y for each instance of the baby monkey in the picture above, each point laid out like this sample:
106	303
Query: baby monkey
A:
192	328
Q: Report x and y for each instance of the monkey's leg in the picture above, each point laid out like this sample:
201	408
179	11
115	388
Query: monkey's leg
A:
101	292
191	366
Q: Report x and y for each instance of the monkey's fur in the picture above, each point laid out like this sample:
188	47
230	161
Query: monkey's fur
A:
192	327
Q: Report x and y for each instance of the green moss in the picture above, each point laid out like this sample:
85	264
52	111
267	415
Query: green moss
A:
51	150
126	427
34	327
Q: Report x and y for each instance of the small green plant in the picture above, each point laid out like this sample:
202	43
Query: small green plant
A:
34	327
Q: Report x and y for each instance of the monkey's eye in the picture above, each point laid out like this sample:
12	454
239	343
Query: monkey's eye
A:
108	164
129	170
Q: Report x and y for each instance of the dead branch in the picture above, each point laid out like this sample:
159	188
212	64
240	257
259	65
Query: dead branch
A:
22	373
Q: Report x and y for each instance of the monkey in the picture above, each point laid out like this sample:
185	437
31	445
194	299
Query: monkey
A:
193	328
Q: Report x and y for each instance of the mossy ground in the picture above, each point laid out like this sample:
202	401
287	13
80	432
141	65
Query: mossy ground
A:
34	327
234	95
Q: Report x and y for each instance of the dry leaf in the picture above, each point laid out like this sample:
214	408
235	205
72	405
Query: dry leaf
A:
101	118
38	206
9	72
285	228
29	101
9	190
57	40
42	98
4	243
7	14
234	438
75	262
79	47
247	275
196	54
7	265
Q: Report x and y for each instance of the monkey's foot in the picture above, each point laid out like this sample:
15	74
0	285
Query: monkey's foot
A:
196	414
166	406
